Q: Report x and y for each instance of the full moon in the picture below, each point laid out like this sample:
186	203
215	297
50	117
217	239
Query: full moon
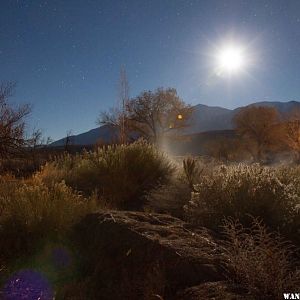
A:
231	59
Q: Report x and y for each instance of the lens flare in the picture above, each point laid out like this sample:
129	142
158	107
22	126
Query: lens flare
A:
28	284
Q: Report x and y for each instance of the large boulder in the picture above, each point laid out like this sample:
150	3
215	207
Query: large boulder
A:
219	290
135	255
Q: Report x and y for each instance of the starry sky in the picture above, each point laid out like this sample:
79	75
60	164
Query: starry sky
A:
65	55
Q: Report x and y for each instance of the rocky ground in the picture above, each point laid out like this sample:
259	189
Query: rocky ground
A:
135	255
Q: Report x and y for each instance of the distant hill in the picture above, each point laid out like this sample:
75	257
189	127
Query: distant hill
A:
104	133
204	119
209	118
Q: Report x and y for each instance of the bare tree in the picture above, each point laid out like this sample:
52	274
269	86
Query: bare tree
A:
152	114
68	141
259	127
48	141
12	122
35	142
116	117
155	114
124	97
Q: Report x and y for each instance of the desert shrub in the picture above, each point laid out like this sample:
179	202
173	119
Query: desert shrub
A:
259	261
243	190
32	211
120	174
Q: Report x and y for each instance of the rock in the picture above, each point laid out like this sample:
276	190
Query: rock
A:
135	255
220	290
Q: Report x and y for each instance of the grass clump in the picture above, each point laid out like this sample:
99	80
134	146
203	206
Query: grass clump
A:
258	261
120	174
192	171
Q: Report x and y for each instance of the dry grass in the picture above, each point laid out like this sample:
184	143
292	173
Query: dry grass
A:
259	261
32	211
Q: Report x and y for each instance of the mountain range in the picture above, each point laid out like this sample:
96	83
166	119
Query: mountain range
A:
204	119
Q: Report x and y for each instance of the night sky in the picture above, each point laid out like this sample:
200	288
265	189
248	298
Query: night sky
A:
66	55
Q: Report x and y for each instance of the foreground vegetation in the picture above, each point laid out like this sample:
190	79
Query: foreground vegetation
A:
254	209
120	176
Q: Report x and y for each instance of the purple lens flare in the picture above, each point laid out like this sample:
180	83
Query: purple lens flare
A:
28	284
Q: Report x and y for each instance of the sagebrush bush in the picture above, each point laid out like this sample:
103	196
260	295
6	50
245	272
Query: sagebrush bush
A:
32	211
242	191
259	261
121	174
